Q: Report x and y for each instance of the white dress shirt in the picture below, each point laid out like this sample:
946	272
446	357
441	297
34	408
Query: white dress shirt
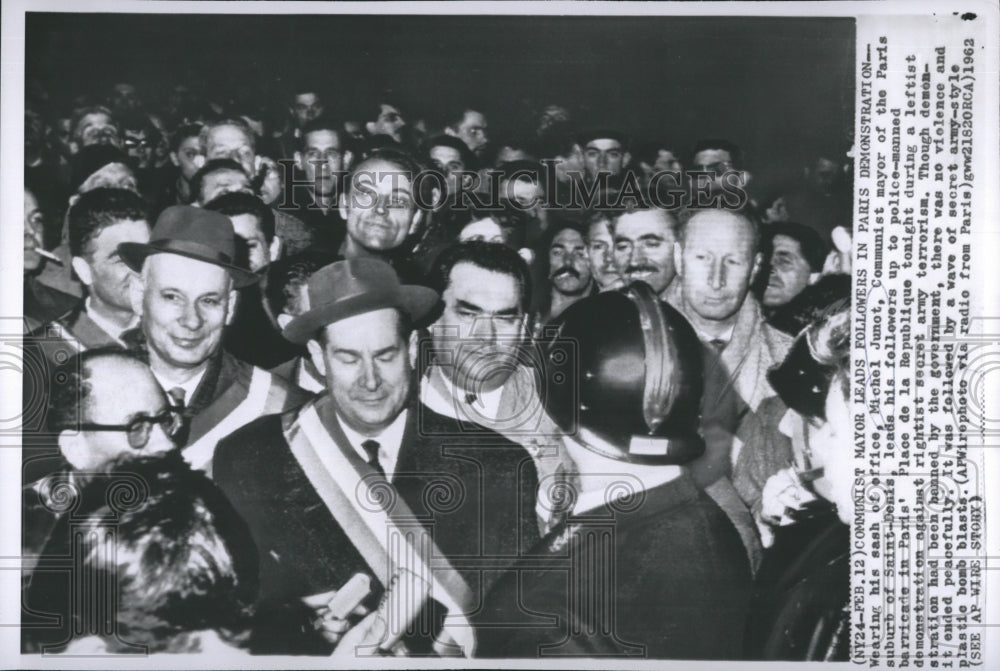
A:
188	387
389	442
485	406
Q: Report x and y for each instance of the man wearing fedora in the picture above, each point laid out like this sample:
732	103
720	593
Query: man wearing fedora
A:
473	495
185	296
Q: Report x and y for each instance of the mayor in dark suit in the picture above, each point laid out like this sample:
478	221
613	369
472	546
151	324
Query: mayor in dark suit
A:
473	493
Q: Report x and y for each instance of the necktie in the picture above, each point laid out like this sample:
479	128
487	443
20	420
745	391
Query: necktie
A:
176	398
371	449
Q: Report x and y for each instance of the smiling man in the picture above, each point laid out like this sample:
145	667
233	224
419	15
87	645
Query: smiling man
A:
185	296
644	247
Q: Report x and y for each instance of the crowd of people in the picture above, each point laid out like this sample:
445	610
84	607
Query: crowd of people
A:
384	385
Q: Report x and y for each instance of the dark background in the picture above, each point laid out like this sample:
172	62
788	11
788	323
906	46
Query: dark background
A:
783	88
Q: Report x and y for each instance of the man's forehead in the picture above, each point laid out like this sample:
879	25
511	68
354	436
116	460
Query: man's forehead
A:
386	173
488	289
186	274
306	98
717	228
568	236
643	221
786	243
228	135
108	375
712	156
322	138
445	154
604	143
473	118
228	175
95	119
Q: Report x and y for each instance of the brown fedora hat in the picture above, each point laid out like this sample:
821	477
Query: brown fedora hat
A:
195	233
348	288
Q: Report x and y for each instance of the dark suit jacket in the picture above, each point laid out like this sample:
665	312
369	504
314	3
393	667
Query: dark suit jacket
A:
486	520
665	574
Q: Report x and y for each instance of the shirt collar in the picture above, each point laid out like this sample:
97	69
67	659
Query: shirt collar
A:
107	325
189	387
443	397
726	336
389	442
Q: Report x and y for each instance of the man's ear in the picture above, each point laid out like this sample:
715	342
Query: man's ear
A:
300	160
625	159
679	259
136	290
747	176
173	159
348	159
283	319
316	355
758	261
370	127
814	277
82	270
74	449
199	161
274	251
72	200
231	307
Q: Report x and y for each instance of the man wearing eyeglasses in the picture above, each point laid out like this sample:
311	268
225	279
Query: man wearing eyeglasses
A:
96	423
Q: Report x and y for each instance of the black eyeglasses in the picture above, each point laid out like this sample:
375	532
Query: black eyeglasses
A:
173	423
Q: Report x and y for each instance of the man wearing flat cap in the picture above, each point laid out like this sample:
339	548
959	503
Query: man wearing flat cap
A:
185	296
366	457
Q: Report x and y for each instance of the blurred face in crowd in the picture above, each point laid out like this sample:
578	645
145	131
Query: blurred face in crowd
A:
472	130
305	108
124	98
449	161
483	230
247	226
231	142
569	265
97	128
108	280
139	147
322	159
790	272
34	226
107	376
380	209
223	181
389	122
604	155
551	115
717	161
113	175
368	368
600	245
644	248
482	325
186	157
526	193
184	304
717	261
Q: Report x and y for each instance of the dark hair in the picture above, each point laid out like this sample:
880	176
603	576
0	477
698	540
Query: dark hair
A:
289	272
605	134
182	133
648	152
468	159
559	139
183	559
237	203
814	250
735	153
457	116
98	209
327	123
492	256
215	165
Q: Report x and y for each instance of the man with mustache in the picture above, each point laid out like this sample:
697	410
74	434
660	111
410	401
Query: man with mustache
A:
185	296
570	278
717	257
600	246
644	247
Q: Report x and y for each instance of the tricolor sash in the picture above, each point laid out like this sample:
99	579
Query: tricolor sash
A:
397	548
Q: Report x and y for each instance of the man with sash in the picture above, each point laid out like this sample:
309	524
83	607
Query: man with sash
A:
185	295
366	479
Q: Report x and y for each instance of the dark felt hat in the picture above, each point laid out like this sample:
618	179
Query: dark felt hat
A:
195	233
352	287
